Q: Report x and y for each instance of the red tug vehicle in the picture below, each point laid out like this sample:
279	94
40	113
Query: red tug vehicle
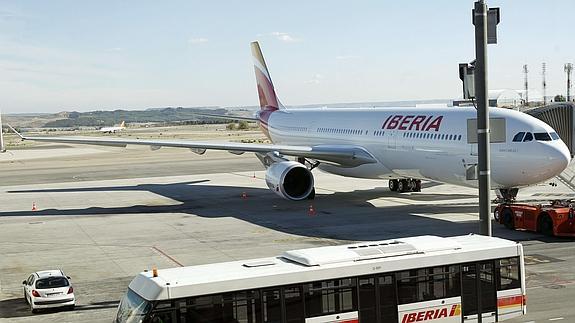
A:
554	219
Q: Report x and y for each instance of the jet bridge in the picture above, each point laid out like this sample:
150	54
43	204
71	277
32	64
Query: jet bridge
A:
560	117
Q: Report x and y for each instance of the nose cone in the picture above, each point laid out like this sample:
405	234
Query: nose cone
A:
558	157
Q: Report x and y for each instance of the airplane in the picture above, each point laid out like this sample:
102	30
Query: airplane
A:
114	129
402	145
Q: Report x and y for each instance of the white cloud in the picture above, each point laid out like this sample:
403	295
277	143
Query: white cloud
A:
315	80
197	40
285	37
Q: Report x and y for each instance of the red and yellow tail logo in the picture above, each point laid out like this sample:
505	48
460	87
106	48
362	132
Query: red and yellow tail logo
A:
266	91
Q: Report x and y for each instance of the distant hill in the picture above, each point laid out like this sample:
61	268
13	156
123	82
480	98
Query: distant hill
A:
110	118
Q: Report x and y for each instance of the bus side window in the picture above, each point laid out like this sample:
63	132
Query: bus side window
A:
242	307
508	274
428	284
272	305
163	312
293	298
407	287
330	297
367	300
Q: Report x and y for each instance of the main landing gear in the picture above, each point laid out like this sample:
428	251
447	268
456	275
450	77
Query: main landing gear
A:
405	185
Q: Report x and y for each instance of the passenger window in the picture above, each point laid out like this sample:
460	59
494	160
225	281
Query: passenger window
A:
519	137
508	274
528	137
542	136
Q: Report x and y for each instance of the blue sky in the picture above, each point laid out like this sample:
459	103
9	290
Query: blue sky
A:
85	55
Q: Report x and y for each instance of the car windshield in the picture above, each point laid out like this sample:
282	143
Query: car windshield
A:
52	282
132	308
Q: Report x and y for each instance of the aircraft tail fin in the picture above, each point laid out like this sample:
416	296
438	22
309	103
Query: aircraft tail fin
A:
266	91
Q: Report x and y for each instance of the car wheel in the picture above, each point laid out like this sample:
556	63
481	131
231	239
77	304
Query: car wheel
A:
71	307
546	225
496	214
32	309
507	216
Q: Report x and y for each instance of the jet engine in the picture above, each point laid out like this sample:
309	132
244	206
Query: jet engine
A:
290	180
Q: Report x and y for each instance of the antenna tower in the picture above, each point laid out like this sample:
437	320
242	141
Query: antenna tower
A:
568	68
526	84
543	68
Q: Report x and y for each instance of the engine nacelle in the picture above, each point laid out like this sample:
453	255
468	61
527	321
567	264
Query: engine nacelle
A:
290	180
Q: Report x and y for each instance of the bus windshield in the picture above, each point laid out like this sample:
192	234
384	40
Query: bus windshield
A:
132	308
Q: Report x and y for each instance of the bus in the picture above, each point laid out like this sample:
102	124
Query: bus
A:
469	278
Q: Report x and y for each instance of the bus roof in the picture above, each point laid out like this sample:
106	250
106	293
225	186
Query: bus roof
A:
321	263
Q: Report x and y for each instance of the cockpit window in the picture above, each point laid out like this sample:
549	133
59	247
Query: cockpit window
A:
542	136
555	136
519	137
528	137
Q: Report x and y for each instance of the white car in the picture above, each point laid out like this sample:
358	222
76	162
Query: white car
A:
48	289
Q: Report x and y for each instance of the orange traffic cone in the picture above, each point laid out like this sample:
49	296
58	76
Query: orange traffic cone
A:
34	206
311	210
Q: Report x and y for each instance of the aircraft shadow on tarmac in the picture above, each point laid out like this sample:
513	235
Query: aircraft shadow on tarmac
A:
339	215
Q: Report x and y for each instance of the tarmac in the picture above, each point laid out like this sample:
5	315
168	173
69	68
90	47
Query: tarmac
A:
105	214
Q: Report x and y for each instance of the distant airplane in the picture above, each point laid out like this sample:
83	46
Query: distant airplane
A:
114	129
402	145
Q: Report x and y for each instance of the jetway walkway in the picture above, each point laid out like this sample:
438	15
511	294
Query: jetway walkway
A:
561	117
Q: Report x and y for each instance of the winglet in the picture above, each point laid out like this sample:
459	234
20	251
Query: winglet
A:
16	132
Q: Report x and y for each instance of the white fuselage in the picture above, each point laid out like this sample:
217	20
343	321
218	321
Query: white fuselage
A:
425	143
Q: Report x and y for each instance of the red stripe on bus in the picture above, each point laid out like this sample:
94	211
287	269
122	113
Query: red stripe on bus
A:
510	301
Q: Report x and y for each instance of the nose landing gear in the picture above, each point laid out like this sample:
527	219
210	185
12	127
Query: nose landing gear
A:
506	195
405	185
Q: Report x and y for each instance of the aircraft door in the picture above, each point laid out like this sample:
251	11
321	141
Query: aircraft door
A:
479	298
391	139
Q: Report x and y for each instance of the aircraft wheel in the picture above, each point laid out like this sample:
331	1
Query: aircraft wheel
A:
417	185
507	216
311	195
392	184
402	186
546	225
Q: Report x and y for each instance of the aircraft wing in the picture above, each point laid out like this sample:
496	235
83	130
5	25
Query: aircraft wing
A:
342	155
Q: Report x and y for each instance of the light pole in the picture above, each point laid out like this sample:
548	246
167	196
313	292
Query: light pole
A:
480	21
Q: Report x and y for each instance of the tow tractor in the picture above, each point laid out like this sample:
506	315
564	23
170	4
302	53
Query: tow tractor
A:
556	218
